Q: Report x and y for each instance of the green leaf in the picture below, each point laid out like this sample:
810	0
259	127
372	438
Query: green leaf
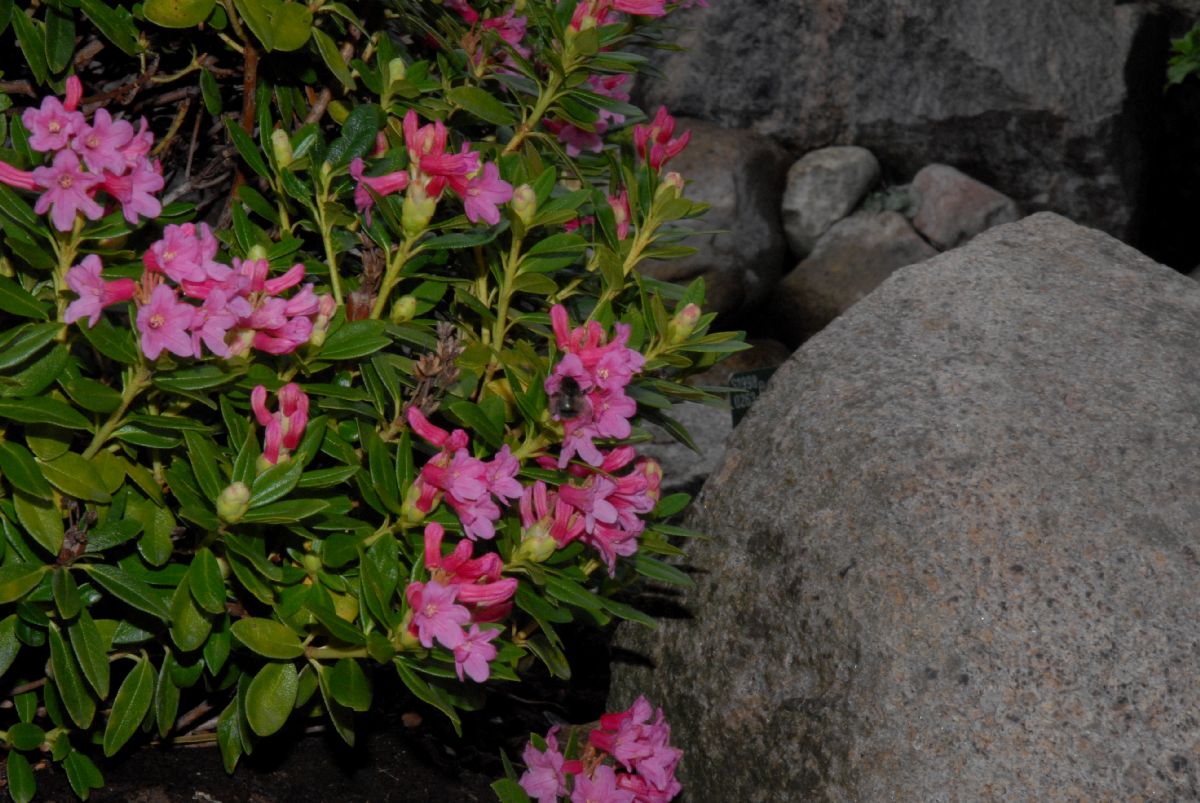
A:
82	774
40	375
256	14
76	477
358	134
26	736
129	589
60	39
481	104
210	92
75	697
509	791
116	344
275	483
93	396
478	422
291	26
427	693
166	700
333	58
216	649
32	42
43	411
271	698
14	299
350	686
115	23
42	519
286	512
341	716
19	468
204	577
229	736
189	625
355	339
663	572
205	459
91	650
18	579
245	145
66	593
10	645
29	340
129	707
178	14
21	784
268	638
468	239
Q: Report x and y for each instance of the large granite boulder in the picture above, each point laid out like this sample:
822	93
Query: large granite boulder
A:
956	547
1048	102
741	250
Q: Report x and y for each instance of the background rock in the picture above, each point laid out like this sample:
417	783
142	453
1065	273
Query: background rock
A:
741	250
956	547
822	188
849	261
952	207
1049	102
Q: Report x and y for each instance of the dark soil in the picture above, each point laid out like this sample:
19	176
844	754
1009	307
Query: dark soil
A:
405	751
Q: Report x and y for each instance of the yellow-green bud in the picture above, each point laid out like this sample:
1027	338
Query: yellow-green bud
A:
536	545
409	512
396	70
671	186
417	212
256	252
233	502
405	309
683	323
281	146
524	203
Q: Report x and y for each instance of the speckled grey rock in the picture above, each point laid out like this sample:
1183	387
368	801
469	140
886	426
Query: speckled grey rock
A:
849	261
741	250
684	469
956	545
822	188
952	207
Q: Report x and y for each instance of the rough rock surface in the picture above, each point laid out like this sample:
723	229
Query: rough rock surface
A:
952	207
741	248
822	188
956	545
851	260
1037	99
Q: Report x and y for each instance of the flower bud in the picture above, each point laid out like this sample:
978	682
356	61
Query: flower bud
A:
396	70
672	184
536	545
256	252
233	502
312	563
683	323
524	203
405	309
281	146
405	639
326	306
345	606
417	212
409	511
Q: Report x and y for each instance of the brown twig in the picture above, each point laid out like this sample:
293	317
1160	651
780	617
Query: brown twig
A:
88	52
21	87
187	171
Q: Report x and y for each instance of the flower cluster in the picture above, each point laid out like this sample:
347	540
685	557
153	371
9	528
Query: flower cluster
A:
431	169
285	427
239	306
654	143
469	485
86	158
600	371
437	614
627	759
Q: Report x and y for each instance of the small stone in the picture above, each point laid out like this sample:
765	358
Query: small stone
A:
952	207
822	188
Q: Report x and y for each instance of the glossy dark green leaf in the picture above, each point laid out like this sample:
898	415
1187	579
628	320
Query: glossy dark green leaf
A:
178	14
246	147
662	572
268	638
29	340
256	14
355	340
91	651
92	395
43	411
204	576
333	58
18	579
481	104
275	483
291	26
31	38
349	685
18	467
229	736
189	625
210	92
116	344
286	512
129	707
76	477
66	593
427	693
26	736
37	376
76	697
60	39
10	645
271	697
41	518
509	791
115	23
21	784
14	300
166	700
82	774
129	589
205	464
218	646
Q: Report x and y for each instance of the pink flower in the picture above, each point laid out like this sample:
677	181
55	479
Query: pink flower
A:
101	142
381	185
576	139
453	168
484	191
51	126
642	8
502	475
639	744
138	148
185	253
212	322
135	189
611	86
473	654
600	788
67	191
94	292
621	213
285	427
654	143
464	10
435	615
544	778
163	323
15	177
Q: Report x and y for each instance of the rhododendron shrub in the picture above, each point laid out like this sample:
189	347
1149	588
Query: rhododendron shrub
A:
376	417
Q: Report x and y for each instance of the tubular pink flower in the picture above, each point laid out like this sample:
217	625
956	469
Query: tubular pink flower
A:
163	323
135	191
621	213
14	177
51	126
654	143
292	277
285	427
68	190
74	94
641	8
212	322
138	148
611	86
544	779
453	167
94	292
464	10
183	253
384	185
100	143
473	654
435	614
601	787
576	139
484	192
420	425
